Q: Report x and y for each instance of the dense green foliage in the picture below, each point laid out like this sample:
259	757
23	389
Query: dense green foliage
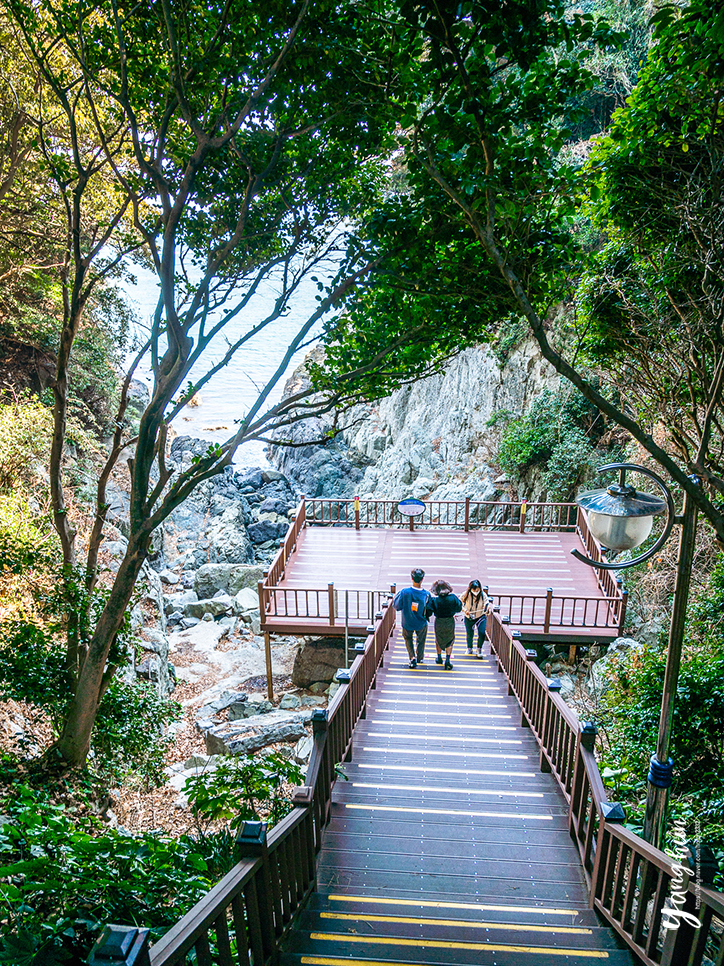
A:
131	739
64	874
650	301
558	433
242	789
630	718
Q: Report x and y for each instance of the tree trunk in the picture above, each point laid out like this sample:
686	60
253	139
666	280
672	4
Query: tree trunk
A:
74	743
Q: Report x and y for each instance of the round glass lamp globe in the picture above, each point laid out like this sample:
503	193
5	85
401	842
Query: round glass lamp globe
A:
619	533
620	518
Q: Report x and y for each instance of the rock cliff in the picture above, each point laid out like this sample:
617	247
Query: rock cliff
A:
435	438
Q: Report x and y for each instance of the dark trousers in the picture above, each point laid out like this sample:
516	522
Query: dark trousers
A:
470	623
407	637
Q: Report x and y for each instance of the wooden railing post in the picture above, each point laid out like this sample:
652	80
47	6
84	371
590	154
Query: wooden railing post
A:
356	513
523	511
623	605
549	606
251	844
467	513
262	599
330	599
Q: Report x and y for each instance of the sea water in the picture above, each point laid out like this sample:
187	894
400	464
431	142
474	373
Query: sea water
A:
231	392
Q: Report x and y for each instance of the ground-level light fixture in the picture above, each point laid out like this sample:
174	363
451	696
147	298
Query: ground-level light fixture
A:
621	518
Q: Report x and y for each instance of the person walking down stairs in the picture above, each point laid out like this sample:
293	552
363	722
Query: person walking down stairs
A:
476	607
444	605
412	601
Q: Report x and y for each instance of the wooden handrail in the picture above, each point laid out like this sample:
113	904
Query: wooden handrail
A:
631	882
255	902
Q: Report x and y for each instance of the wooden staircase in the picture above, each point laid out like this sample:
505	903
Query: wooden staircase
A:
447	845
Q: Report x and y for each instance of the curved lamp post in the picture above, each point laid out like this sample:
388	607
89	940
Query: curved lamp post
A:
621	518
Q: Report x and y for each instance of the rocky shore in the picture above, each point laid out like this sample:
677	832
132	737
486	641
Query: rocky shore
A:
198	621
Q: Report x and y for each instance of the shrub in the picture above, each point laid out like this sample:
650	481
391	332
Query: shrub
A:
63	876
239	789
26	428
129	735
557	433
630	717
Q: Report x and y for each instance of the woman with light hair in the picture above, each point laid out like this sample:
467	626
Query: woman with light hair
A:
444	605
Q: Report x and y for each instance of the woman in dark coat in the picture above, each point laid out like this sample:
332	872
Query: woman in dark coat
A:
444	605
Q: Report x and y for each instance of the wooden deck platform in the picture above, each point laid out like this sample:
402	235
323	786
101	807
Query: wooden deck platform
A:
447	845
518	568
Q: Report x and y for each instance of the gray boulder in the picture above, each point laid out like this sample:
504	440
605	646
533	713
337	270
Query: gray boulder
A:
246	600
598	679
248	709
266	530
268	736
213	607
274	505
229	577
318	659
138	396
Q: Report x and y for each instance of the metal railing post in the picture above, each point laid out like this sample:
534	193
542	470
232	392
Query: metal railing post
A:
356	513
523	511
467	513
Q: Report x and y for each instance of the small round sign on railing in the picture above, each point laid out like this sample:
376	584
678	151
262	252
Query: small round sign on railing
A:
411	507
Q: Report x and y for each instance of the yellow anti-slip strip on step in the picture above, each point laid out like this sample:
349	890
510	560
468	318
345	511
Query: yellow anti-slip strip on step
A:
448	944
450	811
463	923
444	904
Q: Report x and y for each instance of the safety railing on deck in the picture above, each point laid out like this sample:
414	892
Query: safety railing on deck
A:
317	604
334	606
243	918
443	514
648	899
561	611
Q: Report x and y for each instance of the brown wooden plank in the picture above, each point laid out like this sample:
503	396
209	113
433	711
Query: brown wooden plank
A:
510	563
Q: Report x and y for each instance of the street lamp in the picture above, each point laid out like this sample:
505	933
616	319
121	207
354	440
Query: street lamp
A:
621	518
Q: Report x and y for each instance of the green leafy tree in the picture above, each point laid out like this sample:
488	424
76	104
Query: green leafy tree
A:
496	99
238	142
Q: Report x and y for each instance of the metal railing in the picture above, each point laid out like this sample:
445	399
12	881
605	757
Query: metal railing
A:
443	514
244	917
636	888
331	604
561	611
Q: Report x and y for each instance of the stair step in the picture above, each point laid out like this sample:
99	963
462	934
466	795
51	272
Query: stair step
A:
484	887
461	907
393	923
328	950
405	832
414	863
